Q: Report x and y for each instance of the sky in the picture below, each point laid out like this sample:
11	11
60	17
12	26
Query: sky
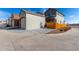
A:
71	15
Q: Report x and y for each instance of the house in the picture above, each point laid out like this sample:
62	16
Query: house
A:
54	19
27	20
31	20
15	21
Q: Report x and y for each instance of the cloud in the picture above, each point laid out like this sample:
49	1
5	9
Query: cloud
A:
73	20
72	16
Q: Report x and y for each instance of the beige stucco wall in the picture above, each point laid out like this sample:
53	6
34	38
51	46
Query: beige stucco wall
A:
34	22
59	18
23	23
23	20
30	22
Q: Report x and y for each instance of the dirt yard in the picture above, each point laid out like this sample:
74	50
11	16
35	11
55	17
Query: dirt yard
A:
20	40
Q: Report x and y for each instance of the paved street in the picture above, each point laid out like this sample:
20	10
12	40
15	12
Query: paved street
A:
20	40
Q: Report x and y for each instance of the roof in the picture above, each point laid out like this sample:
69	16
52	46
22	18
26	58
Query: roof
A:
60	12
36	14
15	16
55	10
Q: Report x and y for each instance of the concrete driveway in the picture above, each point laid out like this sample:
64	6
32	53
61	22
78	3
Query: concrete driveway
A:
32	41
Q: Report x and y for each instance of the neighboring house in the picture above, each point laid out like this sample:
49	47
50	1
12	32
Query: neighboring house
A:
15	21
31	21
54	19
3	22
27	20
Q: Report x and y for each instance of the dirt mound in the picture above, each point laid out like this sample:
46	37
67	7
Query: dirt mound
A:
61	30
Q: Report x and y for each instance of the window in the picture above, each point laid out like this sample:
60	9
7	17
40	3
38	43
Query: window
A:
51	15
